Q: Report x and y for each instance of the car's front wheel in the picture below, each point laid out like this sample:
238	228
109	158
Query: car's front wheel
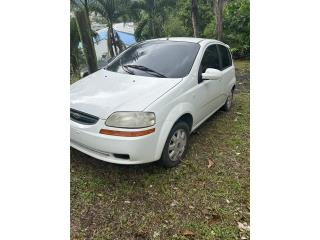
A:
176	145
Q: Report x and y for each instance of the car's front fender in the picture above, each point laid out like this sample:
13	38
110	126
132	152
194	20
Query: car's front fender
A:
173	116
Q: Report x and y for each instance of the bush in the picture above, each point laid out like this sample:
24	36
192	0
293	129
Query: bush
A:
236	27
174	27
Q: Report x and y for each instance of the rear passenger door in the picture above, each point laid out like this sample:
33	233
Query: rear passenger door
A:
227	69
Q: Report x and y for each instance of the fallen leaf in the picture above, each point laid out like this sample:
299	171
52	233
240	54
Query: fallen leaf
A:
227	200
156	234
244	227
127	201
174	203
187	233
210	163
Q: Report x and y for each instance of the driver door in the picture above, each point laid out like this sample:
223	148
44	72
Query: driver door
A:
209	91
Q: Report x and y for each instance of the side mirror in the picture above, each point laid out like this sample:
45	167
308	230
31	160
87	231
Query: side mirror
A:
212	74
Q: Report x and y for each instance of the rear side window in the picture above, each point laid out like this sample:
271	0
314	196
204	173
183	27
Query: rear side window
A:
225	57
210	58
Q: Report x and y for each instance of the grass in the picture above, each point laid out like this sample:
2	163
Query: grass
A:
190	201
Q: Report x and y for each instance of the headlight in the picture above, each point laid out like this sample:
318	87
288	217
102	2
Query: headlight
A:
131	119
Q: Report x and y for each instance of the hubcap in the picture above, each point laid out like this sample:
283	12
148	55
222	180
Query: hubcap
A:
177	144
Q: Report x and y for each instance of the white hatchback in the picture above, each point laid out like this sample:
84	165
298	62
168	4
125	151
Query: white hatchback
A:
143	106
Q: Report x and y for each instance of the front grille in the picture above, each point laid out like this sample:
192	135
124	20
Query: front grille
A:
83	118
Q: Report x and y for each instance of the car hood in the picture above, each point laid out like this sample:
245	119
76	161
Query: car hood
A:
105	92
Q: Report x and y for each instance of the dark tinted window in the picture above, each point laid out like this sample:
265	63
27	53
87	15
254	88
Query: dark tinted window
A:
170	58
225	56
210	59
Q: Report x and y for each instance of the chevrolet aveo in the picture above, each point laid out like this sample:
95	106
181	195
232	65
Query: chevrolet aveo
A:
143	106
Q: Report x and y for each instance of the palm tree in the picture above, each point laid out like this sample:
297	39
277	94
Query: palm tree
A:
150	15
112	10
84	30
80	11
86	5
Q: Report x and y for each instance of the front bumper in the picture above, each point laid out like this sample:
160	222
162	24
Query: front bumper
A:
87	139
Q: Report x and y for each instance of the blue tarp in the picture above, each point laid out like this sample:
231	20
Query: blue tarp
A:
127	38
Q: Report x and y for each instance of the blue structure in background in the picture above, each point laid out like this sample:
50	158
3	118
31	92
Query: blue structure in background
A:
127	38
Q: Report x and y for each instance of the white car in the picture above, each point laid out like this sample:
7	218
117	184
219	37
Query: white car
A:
143	106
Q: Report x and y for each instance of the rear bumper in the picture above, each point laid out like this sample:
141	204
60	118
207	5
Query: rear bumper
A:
88	140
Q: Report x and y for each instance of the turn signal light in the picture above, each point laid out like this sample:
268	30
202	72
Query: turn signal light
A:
127	134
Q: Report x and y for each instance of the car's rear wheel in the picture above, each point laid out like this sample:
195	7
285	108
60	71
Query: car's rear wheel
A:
176	145
227	106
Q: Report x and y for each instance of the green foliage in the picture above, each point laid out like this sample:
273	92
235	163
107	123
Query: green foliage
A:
236	27
74	43
205	15
236	23
174	27
209	30
150	17
111	10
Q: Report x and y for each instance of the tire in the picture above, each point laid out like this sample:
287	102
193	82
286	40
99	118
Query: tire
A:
227	105
172	157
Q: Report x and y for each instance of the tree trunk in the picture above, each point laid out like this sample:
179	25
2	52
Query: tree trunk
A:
86	39
86	7
194	15
74	64
111	40
152	25
110	45
218	11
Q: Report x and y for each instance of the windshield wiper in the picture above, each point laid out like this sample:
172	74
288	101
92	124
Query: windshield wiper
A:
125	68
145	69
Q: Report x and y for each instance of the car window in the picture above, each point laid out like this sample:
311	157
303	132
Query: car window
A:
225	57
172	59
210	59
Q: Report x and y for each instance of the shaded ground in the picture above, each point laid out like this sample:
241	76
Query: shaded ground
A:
191	201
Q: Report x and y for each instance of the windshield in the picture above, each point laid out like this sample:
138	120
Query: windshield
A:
159	58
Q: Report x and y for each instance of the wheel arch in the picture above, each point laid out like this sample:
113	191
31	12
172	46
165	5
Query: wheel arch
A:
187	118
181	112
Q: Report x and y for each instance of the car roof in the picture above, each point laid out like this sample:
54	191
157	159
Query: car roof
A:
201	41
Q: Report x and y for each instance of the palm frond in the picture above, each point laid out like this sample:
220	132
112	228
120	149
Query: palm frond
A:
140	27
